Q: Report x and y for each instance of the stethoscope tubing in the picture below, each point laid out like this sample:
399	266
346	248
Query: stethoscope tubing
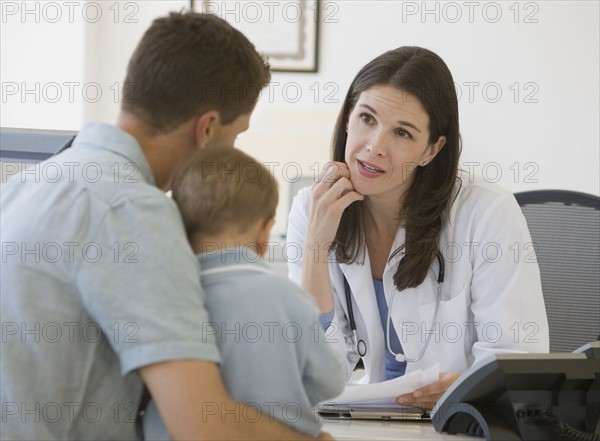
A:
360	345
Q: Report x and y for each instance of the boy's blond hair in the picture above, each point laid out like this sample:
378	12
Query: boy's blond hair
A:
222	187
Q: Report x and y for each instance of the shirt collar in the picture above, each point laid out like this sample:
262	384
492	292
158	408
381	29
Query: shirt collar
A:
108	137
229	256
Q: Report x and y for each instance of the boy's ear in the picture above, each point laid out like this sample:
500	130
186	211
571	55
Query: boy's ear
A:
263	236
205	128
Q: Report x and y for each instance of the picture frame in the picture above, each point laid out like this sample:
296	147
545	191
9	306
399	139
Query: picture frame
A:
286	32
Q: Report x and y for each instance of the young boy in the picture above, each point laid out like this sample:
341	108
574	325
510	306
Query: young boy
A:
272	351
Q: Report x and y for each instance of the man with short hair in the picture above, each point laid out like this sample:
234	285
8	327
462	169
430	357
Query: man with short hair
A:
99	288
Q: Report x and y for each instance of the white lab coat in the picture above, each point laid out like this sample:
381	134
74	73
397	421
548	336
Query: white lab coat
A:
491	297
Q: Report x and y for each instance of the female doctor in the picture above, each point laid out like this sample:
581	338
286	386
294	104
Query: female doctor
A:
436	266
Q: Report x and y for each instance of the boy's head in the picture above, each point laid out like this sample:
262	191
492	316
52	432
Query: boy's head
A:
224	193
187	64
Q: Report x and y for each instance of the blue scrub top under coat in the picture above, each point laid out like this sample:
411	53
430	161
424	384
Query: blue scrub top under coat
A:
393	368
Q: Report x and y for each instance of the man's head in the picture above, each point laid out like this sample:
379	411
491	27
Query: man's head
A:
222	192
192	82
187	64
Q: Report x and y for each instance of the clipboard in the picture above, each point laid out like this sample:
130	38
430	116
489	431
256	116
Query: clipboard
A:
372	411
377	401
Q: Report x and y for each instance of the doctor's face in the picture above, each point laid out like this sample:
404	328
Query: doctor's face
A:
388	137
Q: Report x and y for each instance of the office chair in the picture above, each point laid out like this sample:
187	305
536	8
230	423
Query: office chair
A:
565	229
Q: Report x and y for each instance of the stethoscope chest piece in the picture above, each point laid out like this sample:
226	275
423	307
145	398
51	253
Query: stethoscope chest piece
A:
355	348
361	348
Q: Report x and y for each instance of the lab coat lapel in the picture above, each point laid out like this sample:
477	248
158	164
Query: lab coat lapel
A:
361	285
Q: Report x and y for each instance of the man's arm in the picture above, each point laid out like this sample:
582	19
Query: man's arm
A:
194	405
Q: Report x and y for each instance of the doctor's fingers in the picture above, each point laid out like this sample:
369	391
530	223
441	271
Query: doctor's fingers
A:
325	436
431	392
427	402
332	171
332	203
326	212
330	178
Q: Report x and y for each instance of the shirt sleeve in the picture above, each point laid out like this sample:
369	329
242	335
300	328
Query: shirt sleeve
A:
144	289
325	371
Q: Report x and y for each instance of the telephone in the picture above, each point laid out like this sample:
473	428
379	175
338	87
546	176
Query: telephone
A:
526	397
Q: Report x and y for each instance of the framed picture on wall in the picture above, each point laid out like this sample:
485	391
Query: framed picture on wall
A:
285	32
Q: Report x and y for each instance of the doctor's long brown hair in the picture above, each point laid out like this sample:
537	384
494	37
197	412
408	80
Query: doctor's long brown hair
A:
421	73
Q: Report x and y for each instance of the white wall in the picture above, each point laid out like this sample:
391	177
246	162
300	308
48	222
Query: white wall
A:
41	64
542	132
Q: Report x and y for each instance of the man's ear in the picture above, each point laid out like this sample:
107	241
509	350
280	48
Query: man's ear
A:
206	126
262	238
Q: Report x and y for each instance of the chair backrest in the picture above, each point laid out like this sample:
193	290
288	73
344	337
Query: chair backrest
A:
565	229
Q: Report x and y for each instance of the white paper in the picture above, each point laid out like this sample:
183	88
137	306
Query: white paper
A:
388	390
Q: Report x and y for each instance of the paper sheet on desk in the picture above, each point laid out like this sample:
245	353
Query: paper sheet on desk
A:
388	390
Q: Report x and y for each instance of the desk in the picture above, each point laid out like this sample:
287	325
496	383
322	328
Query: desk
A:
388	430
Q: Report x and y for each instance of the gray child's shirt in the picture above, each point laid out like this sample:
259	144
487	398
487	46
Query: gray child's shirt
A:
273	350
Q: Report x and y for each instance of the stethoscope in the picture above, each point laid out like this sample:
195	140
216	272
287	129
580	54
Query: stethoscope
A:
357	348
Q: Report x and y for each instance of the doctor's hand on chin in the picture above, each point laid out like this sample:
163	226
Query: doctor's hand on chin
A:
426	396
332	193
